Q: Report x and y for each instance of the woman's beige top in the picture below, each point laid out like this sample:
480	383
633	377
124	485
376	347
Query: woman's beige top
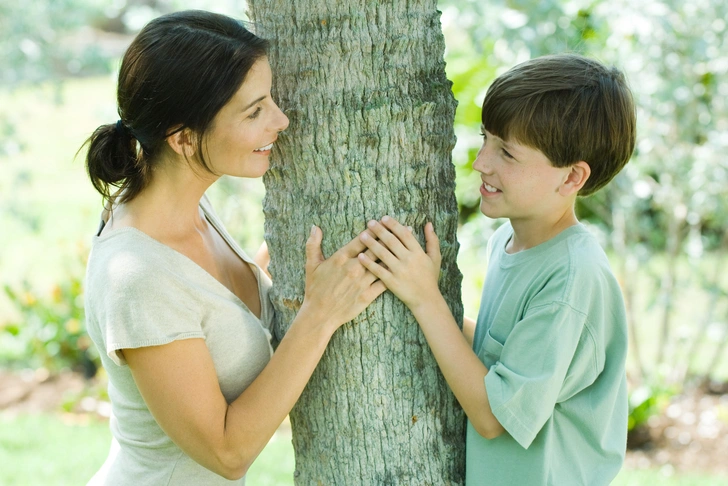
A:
140	292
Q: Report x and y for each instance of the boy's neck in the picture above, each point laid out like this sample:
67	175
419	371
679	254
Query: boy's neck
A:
530	233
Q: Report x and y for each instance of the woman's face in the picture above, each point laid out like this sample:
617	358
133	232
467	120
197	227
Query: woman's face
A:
244	130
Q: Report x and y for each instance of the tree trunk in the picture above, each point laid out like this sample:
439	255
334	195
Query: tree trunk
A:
371	132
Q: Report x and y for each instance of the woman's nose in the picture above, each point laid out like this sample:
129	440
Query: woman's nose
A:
282	120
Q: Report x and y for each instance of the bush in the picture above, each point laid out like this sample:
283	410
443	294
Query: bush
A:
51	332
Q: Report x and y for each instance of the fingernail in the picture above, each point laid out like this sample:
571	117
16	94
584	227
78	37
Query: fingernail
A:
364	236
371	223
409	228
313	230
385	219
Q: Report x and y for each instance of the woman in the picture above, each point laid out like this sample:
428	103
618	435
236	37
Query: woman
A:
179	311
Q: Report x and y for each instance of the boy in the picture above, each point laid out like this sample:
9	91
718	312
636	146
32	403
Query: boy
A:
543	384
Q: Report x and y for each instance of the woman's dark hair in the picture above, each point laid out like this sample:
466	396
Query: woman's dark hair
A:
178	72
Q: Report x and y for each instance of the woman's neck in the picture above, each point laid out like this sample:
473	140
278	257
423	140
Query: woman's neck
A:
168	207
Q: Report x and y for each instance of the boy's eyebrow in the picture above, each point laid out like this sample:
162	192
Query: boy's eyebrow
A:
503	142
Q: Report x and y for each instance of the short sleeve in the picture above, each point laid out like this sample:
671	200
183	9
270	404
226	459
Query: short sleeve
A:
527	378
145	305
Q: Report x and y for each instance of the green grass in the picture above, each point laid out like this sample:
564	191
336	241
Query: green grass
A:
43	450
50	451
47	450
666	477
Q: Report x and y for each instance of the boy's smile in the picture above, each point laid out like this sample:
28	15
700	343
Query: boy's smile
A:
521	183
487	190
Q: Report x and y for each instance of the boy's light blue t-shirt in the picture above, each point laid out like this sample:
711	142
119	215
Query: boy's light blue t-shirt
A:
552	332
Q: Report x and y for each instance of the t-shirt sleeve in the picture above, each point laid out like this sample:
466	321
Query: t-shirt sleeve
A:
146	306
528	377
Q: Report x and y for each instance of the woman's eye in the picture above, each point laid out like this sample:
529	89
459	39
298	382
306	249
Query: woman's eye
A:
482	134
255	113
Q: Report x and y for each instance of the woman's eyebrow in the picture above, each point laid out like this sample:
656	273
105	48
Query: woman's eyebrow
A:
254	103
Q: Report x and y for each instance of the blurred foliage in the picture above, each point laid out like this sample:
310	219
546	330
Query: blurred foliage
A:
647	401
44	40
676	58
50	331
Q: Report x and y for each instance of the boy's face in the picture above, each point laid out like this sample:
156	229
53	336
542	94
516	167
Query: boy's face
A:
519	182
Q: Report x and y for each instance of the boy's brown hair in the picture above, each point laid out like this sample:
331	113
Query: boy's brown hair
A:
569	107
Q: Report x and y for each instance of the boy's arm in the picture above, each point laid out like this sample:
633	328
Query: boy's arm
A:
411	274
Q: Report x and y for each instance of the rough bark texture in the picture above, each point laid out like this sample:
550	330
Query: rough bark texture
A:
363	83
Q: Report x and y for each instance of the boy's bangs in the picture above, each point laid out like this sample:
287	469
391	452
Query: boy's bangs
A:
511	121
542	121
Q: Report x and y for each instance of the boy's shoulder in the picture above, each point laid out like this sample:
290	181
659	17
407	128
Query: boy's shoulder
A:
575	245
567	268
582	268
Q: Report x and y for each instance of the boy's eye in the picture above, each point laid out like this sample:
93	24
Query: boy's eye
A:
255	113
482	134
505	152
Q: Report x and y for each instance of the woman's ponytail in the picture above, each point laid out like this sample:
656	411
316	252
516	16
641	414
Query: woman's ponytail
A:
112	161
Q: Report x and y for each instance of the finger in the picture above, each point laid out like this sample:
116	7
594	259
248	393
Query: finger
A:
382	253
314	256
391	241
354	247
375	290
402	232
432	244
369	252
376	269
371	255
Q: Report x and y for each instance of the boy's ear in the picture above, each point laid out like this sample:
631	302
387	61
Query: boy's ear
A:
576	178
183	142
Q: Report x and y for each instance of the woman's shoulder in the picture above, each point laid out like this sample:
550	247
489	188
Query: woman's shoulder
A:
127	262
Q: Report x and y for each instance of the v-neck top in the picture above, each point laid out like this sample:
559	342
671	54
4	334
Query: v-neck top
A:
140	292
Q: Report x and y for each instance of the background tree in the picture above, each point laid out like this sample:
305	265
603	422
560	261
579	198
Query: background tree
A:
371	134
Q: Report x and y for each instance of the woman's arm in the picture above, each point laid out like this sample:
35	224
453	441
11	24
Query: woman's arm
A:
180	387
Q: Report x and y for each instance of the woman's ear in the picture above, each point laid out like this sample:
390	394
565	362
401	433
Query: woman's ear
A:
183	142
576	178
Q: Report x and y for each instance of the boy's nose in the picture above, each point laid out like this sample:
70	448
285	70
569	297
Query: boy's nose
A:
482	161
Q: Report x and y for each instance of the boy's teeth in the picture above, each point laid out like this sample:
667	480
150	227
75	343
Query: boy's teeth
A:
263	149
489	188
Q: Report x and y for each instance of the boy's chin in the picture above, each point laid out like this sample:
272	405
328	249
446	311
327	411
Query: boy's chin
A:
489	212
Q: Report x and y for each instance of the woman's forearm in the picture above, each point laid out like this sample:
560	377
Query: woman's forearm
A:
256	414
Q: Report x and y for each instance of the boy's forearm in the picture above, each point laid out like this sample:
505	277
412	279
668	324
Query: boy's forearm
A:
462	368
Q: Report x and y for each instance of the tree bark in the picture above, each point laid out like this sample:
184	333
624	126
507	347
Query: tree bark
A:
371	133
